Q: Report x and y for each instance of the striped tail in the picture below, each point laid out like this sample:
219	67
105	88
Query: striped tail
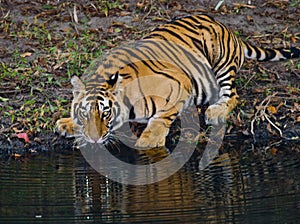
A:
267	54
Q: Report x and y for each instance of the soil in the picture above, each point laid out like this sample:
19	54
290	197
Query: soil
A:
269	92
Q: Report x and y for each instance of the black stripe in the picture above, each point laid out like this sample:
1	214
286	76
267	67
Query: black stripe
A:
154	35
222	48
228	58
198	44
191	30
231	68
196	19
154	56
126	75
172	52
206	51
249	49
205	18
173	34
90	98
258	53
270	54
153	107
160	72
203	98
226	84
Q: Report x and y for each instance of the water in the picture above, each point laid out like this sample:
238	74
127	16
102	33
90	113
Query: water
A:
244	185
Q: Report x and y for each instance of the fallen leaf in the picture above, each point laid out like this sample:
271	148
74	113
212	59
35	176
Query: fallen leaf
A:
75	15
249	18
298	119
16	130
117	30
274	151
269	128
279	105
37	140
229	129
241	5
246	132
26	54
24	136
272	109
124	13
297	106
16	155
3	99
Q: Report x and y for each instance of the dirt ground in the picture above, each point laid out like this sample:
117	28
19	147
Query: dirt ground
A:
43	43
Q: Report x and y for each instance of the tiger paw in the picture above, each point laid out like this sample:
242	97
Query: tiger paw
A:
216	114
149	140
66	127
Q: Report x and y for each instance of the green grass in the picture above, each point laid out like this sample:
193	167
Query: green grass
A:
32	75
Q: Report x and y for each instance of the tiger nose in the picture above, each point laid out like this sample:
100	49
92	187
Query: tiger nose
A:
94	139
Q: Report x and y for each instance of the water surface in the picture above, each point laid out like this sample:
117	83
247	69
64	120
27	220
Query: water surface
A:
245	184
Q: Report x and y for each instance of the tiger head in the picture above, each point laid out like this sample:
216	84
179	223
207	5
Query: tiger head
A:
94	109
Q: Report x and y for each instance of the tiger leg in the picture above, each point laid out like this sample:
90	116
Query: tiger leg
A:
158	126
154	134
219	111
66	127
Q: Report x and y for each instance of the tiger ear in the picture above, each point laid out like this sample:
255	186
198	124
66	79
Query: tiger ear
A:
113	80
78	86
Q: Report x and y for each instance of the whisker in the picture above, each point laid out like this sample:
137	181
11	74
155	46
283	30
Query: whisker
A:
113	142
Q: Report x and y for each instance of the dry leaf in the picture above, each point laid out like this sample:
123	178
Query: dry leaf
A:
298	119
37	140
16	155
240	5
274	151
75	15
279	105
249	18
272	109
229	129
16	130
297	106
124	13
26	54
246	132
269	128
23	136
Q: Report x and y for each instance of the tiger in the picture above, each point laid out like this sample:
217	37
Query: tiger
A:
188	61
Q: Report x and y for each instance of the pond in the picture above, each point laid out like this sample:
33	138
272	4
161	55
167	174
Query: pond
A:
244	184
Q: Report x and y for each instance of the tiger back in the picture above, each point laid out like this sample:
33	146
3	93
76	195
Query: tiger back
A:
189	60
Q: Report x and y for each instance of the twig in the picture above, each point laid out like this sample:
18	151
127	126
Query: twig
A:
219	5
244	5
261	112
267	118
10	91
249	80
73	21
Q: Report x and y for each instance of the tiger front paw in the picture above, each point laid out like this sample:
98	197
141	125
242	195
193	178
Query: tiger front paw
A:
66	127
150	140
216	114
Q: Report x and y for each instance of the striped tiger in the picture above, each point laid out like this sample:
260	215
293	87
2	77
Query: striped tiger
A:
190	60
